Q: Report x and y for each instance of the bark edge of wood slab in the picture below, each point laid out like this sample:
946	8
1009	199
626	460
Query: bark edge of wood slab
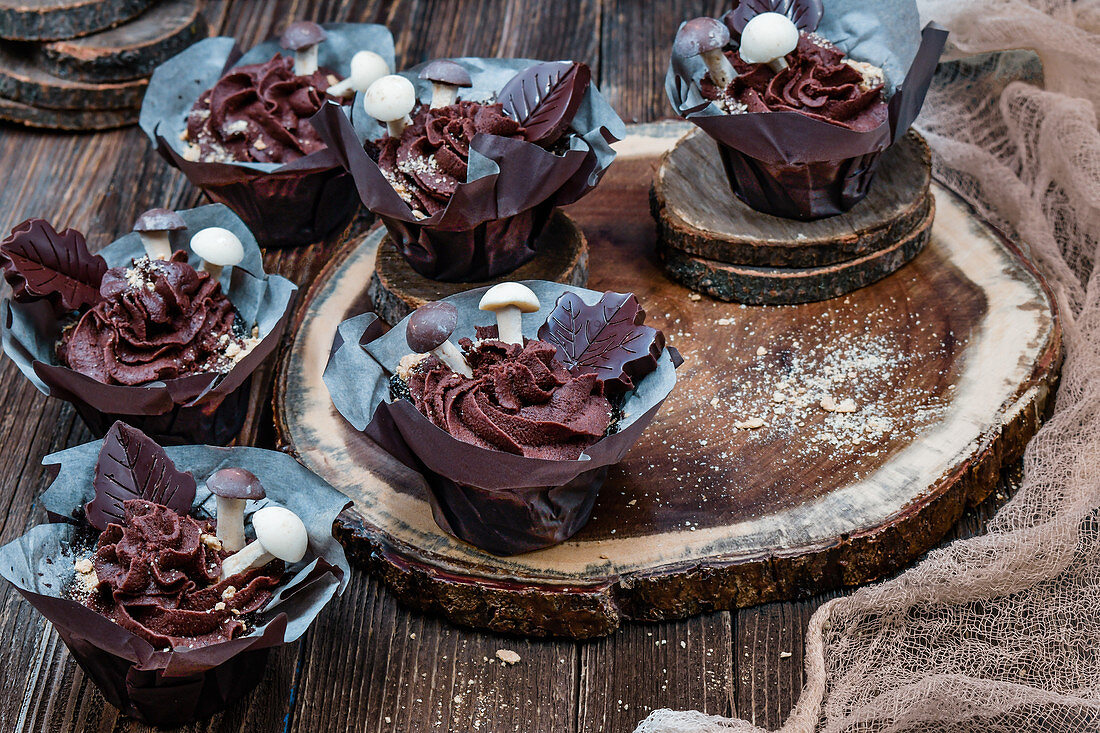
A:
23	79
52	20
698	214
768	519
74	120
396	289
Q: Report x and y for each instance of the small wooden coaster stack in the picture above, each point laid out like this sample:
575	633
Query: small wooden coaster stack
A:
84	64
711	242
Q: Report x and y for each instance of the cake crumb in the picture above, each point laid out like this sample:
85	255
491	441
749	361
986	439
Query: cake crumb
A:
694	297
848	405
84	566
751	424
761	351
211	541
228	593
507	656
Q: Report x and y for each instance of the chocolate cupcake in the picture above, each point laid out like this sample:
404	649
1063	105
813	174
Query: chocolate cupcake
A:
512	425
145	331
138	576
464	160
803	96
238	125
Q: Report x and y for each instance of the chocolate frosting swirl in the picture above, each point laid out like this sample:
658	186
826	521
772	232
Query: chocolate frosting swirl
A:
431	157
159	319
520	400
818	82
259	113
159	579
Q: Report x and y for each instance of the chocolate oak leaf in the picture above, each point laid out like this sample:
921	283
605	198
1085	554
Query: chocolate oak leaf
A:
545	97
40	262
607	338
805	14
132	466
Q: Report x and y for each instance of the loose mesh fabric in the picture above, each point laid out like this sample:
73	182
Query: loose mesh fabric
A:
999	632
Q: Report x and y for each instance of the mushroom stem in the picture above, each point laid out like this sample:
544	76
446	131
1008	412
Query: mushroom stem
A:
778	64
305	61
157	246
449	354
341	88
230	523
510	325
443	95
396	127
215	271
254	555
721	70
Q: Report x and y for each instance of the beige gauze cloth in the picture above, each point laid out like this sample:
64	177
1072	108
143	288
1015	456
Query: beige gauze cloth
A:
1001	632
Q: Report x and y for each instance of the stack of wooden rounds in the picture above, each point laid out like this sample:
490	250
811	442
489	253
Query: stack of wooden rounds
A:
84	64
710	241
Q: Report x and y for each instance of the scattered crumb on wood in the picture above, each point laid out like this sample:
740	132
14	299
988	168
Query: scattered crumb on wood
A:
507	656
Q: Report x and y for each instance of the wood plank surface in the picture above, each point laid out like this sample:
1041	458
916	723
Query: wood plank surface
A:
361	667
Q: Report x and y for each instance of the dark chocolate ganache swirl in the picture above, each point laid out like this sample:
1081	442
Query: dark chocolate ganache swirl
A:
520	400
158	319
158	576
819	81
258	114
430	158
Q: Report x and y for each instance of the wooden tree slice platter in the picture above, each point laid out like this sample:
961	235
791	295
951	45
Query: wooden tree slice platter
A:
66	119
129	51
789	285
949	364
50	20
698	214
396	289
23	80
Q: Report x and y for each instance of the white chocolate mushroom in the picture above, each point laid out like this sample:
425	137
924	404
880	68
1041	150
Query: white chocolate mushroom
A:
218	248
367	67
708	38
429	330
509	301
154	227
767	38
390	100
279	534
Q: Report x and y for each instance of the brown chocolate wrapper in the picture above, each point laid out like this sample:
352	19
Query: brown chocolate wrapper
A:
491	222
503	503
171	688
201	408
790	165
297	203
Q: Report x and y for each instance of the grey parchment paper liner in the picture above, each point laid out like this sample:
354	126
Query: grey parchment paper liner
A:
283	204
791	165
500	502
201	408
170	688
491	221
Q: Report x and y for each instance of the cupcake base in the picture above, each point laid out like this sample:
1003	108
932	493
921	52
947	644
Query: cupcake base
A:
712	242
396	289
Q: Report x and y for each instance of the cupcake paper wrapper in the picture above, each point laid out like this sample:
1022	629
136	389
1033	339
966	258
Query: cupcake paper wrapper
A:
473	238
500	502
791	165
170	688
196	408
288	204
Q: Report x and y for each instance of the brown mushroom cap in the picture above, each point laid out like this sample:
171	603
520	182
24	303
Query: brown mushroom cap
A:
430	325
444	71
159	220
700	35
235	483
302	34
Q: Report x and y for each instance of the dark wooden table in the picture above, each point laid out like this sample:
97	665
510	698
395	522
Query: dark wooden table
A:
368	664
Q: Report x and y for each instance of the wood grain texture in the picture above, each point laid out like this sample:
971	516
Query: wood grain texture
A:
706	513
360	668
396	289
49	20
129	51
77	120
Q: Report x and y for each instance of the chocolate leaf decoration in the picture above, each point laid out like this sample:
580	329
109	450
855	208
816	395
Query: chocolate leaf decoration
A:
607	338
132	466
805	14
39	263
545	97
